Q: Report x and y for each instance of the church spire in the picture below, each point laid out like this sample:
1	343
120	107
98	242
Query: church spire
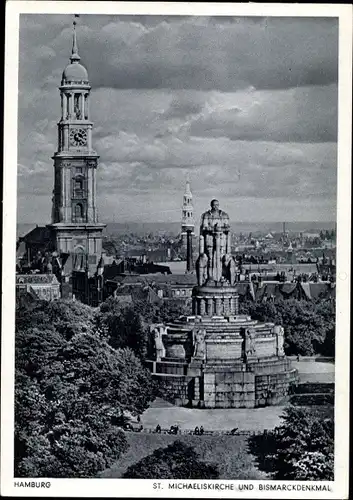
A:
74	54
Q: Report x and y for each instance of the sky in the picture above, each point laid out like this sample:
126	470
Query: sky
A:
245	107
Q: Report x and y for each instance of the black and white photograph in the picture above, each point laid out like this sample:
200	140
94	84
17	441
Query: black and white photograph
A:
176	250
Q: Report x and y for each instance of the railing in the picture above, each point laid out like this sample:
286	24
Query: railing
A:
205	433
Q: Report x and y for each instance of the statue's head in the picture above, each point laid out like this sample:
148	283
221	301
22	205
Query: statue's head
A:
215	205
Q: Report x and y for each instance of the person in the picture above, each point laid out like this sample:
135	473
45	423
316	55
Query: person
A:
138	418
201	430
158	429
196	431
298	357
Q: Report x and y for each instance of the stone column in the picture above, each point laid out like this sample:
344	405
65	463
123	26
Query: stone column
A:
62	107
89	141
62	212
226	305
68	208
218	307
196	389
209	306
65	137
232	306
71	104
67	106
202	307
90	195
94	194
87	106
236	304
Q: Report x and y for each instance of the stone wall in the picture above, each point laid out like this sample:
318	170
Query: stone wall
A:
266	346
182	389
229	389
223	349
274	388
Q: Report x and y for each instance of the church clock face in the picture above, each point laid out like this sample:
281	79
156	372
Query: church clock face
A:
78	137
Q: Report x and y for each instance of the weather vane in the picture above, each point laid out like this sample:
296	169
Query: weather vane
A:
75	17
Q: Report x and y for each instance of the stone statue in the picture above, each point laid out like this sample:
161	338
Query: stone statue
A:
214	244
214	217
250	345
199	343
232	270
229	268
201	269
279	331
158	342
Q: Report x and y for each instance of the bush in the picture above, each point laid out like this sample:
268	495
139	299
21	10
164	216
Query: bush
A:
312	399
176	461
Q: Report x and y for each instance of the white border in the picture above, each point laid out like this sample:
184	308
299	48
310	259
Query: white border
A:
144	488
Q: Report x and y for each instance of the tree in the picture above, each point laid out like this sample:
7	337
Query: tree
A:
72	391
122	326
176	461
302	448
66	316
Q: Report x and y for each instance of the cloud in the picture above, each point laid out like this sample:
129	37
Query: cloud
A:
306	114
198	52
247	107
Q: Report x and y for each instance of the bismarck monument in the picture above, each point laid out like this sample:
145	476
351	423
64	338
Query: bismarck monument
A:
218	358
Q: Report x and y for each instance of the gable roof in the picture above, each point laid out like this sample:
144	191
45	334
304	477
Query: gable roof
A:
36	279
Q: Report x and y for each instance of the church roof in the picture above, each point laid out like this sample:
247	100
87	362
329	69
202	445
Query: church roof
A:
38	235
75	73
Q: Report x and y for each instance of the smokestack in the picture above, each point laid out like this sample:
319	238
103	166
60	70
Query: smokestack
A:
284	228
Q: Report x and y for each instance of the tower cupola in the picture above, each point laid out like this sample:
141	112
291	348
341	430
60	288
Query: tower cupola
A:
74	73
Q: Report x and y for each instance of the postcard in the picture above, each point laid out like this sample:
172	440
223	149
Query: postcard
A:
176	256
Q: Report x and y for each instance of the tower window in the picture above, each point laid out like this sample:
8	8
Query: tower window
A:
79	183
77	109
78	211
78	170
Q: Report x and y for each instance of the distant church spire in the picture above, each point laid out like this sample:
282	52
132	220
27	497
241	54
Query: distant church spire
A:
188	224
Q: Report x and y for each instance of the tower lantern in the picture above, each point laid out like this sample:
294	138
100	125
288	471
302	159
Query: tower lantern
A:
188	225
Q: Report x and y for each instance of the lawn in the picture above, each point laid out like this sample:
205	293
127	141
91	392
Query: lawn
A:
229	452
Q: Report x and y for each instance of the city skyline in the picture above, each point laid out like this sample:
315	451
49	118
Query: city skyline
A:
244	107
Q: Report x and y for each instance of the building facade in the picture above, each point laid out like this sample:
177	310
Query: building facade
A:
75	227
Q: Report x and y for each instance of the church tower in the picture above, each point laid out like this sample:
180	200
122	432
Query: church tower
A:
75	225
188	225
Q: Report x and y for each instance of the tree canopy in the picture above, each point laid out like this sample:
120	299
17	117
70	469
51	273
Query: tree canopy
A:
309	327
176	461
72	390
302	448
